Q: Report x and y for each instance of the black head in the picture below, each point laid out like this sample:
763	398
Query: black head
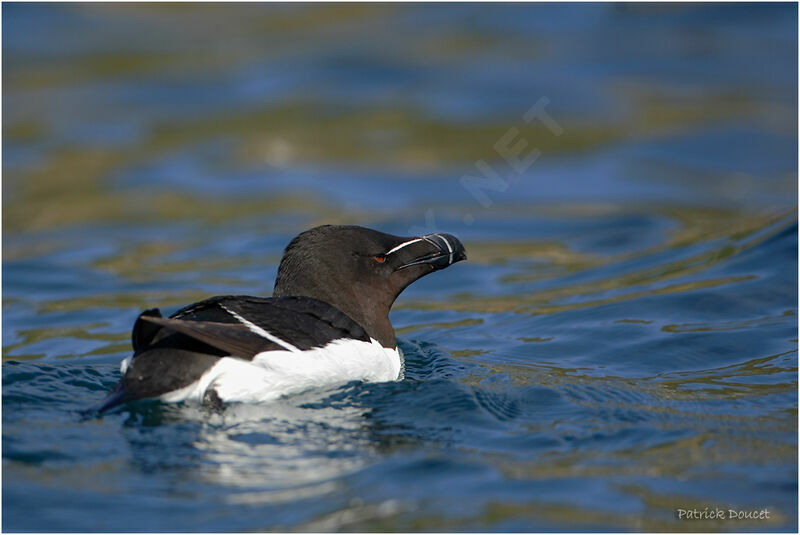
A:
362	271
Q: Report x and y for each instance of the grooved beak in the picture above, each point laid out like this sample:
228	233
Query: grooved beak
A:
436	250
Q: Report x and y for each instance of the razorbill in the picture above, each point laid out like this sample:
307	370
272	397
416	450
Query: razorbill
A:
327	323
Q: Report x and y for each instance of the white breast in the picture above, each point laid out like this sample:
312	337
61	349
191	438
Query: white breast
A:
273	374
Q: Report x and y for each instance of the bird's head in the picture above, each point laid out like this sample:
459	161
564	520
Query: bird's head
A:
362	271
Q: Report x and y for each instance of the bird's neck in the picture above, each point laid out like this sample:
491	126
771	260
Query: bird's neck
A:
358	302
373	315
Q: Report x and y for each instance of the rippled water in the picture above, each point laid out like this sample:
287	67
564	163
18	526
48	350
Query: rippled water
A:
621	344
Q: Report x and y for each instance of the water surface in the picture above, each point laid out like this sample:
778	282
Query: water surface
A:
621	344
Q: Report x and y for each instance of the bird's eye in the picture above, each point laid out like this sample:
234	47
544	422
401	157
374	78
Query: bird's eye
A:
380	259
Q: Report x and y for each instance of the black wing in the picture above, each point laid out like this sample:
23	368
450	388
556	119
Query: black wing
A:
302	322
244	326
234	339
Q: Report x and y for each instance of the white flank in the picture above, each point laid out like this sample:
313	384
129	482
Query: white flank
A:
273	374
409	242
123	366
261	332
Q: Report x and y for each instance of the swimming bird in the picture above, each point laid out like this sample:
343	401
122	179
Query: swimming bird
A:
327	323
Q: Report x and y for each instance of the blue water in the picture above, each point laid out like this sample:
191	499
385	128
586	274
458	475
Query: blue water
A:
621	344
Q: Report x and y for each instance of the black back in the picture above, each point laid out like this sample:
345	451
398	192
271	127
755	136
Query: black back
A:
303	322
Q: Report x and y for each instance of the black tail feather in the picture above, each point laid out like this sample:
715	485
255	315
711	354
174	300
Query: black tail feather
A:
115	398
